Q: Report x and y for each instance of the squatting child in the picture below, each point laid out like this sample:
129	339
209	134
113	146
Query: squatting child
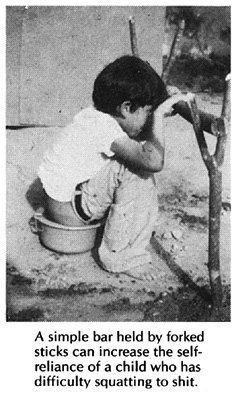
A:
104	164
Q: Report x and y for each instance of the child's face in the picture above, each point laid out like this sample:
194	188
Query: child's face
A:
134	122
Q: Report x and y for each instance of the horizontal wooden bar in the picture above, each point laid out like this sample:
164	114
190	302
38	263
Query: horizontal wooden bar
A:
208	121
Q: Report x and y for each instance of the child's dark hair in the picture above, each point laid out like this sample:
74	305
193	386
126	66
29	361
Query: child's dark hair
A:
128	78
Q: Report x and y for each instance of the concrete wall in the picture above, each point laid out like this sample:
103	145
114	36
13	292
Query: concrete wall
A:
14	21
55	53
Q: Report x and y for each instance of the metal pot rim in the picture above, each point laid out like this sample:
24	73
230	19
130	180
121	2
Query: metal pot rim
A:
55	225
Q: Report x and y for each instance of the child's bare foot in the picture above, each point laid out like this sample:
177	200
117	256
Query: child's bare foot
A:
145	272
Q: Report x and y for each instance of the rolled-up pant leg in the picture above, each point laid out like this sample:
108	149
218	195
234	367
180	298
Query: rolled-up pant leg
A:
131	199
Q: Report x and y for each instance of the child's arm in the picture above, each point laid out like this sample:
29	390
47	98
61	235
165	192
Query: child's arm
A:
148	156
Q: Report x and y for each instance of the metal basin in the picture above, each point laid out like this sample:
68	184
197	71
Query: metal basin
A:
61	238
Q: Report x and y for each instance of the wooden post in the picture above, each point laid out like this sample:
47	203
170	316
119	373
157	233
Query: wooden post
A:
173	50
133	37
215	197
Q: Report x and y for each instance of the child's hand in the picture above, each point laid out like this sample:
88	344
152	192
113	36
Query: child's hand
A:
172	90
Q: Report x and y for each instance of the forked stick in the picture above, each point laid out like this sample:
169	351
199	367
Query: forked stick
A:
133	37
214	166
171	59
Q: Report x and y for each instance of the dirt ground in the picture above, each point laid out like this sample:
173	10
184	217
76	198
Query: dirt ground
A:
46	286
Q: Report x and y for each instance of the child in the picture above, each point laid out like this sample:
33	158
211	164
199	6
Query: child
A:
103	164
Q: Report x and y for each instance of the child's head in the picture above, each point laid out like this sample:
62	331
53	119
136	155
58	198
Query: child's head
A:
128	79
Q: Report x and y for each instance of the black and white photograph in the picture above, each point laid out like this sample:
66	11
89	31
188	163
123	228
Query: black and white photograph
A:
118	203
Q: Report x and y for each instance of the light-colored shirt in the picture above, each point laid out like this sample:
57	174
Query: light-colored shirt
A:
79	152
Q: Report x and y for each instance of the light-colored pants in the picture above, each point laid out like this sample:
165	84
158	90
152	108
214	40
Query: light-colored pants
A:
131	199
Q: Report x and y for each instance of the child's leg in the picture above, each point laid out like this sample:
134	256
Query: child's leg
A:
132	203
